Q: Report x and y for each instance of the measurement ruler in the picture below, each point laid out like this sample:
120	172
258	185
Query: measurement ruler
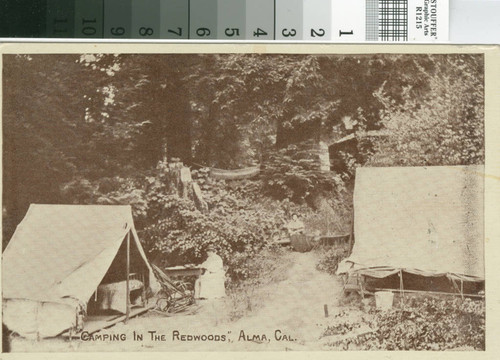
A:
282	20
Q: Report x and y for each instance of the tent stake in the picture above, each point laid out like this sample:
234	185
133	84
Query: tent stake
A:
127	313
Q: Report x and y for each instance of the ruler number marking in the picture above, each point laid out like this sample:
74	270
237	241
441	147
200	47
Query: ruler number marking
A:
62	22
232	32
146	31
318	33
203	31
178	32
259	32
345	33
117	31
286	33
88	29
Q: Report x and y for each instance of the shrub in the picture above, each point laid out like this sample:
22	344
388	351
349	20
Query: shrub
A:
424	323
238	226
433	324
330	259
182	233
293	173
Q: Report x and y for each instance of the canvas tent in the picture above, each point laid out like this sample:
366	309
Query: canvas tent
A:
422	221
56	259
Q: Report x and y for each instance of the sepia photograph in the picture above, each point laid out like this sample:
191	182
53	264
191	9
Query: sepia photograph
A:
243	201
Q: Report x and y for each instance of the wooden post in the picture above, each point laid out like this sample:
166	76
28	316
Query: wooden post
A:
351	235
165	152
143	279
361	280
127	311
401	288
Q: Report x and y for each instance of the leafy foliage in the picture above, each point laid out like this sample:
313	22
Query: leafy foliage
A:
330	259
91	128
293	173
424	323
179	233
444	126
433	324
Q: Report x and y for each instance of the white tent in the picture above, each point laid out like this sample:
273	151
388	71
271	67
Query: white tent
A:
57	258
423	220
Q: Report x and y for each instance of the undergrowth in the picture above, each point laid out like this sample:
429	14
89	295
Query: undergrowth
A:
423	323
245	296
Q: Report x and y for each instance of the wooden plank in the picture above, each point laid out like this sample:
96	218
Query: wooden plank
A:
283	242
97	323
182	271
334	239
429	292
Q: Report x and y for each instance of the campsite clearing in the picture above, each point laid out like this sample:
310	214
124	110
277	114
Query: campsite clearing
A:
290	316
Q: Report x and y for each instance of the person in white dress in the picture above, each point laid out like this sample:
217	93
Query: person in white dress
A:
210	285
209	289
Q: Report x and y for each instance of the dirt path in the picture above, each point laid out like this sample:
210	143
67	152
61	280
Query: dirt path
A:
290	317
296	305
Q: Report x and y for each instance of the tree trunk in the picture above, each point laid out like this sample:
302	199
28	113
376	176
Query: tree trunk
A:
208	137
178	130
306	131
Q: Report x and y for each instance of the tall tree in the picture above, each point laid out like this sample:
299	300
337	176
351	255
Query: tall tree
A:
442	126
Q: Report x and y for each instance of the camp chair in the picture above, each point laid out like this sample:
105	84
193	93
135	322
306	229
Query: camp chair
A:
173	297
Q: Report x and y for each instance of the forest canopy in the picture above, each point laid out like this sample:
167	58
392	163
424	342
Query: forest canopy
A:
83	128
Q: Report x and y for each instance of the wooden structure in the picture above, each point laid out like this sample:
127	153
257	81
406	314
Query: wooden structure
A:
183	270
335	240
97	323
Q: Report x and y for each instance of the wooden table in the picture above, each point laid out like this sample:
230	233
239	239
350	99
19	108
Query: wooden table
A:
182	270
